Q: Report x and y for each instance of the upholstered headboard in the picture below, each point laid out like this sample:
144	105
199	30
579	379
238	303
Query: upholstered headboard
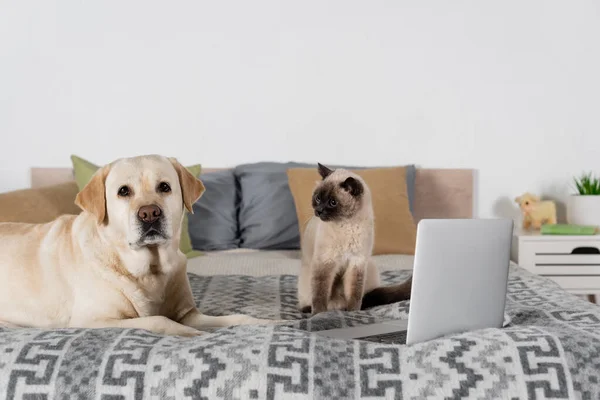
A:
439	193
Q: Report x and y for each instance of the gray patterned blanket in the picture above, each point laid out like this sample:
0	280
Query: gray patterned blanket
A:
550	350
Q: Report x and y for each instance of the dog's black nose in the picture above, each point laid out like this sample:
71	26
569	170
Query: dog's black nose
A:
149	213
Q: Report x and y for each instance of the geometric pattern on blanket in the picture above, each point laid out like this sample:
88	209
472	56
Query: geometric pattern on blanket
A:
550	350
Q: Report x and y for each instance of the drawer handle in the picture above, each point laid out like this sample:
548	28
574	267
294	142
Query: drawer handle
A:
585	250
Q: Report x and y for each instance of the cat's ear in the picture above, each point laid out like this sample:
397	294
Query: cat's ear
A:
324	171
353	186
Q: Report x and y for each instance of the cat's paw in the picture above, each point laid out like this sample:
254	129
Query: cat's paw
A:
305	309
316	311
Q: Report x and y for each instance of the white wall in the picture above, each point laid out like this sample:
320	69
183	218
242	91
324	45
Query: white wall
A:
510	88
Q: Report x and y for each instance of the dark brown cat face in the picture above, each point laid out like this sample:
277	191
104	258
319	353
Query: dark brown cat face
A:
336	197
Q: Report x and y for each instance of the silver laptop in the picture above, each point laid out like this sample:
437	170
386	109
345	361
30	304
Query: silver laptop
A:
460	277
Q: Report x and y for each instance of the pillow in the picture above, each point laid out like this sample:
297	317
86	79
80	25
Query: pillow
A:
214	225
267	214
411	173
39	205
395	230
84	170
267	217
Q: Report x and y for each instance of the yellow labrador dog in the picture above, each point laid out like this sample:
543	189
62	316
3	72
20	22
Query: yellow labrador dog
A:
117	264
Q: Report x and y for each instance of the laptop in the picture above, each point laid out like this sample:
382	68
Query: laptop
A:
460	277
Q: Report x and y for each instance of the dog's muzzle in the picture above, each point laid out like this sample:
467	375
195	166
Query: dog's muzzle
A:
149	214
151	226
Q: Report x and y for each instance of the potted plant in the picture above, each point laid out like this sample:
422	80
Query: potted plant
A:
583	208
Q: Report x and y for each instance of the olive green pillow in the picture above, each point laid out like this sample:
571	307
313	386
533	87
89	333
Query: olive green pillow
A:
84	170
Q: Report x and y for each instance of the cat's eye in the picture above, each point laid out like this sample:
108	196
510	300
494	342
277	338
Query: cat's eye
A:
164	187
317	199
332	203
124	191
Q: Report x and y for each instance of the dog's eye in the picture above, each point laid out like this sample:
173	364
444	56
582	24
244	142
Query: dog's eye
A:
526	203
124	191
332	203
164	187
317	199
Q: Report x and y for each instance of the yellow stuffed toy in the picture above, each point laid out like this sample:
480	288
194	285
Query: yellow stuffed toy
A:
535	212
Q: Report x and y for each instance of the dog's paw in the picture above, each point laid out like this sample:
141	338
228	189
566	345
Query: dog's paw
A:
186	331
268	321
241	319
276	321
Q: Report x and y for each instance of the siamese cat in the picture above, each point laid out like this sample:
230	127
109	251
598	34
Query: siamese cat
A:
337	271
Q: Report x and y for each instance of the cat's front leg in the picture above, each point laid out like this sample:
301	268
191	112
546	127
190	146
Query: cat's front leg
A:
321	283
304	289
354	283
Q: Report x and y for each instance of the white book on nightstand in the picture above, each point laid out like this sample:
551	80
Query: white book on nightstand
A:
571	261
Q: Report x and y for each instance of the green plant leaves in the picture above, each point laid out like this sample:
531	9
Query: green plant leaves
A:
587	184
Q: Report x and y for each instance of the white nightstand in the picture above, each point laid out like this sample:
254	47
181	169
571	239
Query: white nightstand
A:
571	261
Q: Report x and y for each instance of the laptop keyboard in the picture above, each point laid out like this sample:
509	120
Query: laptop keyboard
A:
388	338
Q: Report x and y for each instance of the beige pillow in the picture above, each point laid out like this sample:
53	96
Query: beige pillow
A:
395	230
39	205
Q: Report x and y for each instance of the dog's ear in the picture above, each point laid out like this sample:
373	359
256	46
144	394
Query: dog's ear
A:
191	187
92	198
536	199
518	200
324	171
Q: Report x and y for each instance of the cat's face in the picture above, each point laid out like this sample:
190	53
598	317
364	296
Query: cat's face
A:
338	196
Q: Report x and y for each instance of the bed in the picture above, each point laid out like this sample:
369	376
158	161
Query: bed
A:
550	348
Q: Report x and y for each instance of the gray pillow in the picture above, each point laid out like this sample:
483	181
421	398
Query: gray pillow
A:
214	225
267	215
